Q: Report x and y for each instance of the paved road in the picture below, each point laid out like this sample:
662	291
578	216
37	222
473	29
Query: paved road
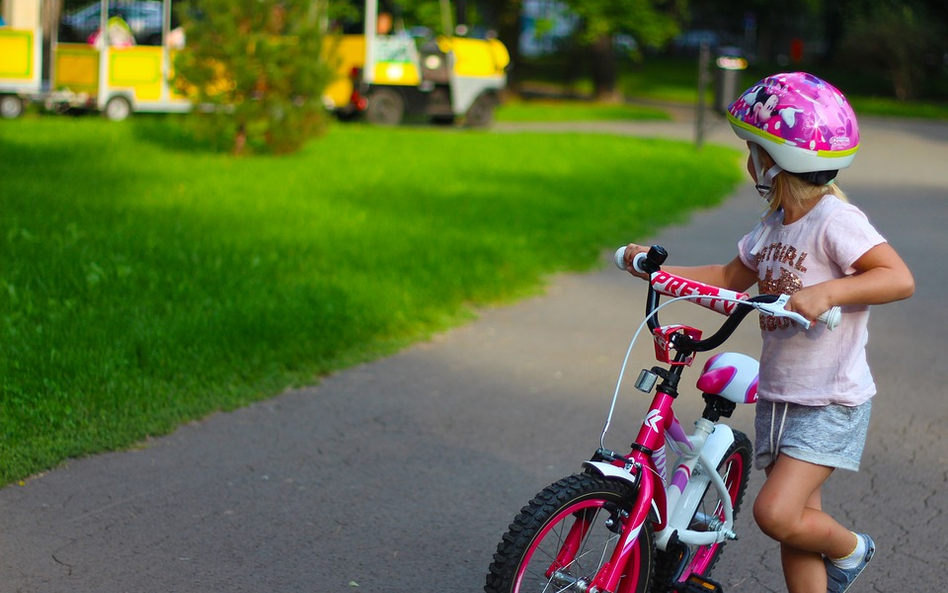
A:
401	475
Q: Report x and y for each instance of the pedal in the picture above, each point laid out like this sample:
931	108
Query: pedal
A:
699	584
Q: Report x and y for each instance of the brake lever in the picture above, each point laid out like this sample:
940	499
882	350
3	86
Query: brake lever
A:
778	309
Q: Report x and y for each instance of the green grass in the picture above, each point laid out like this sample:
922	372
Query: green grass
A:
549	110
145	282
887	107
663	80
674	80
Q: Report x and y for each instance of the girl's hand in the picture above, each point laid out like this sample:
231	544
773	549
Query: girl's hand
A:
631	250
881	277
811	302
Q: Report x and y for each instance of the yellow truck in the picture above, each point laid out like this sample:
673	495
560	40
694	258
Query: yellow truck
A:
387	77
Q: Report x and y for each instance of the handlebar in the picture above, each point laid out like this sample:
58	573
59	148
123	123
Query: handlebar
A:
735	305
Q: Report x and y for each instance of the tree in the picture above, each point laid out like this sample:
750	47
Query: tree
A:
905	40
652	23
256	70
505	15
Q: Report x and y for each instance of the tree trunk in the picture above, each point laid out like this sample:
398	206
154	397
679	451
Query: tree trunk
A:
604	70
240	141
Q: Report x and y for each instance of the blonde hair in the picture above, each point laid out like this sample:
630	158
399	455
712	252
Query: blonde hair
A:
790	189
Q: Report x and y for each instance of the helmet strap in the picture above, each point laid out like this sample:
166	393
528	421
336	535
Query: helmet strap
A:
765	179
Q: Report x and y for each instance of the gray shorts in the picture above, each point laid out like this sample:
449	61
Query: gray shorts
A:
832	435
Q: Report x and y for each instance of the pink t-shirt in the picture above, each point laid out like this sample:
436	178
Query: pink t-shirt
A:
812	367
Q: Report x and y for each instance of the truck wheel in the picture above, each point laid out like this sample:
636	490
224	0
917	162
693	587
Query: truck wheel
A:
481	112
11	106
117	109
386	108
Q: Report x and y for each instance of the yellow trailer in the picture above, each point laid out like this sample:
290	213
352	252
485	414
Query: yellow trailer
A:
118	61
21	55
112	71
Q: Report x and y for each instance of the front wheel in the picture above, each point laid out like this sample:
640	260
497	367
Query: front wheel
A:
117	108
564	536
11	106
734	469
386	108
481	113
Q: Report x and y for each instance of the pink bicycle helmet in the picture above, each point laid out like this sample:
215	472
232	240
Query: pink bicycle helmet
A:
804	123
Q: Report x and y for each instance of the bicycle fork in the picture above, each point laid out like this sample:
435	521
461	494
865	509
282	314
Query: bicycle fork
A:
636	469
631	526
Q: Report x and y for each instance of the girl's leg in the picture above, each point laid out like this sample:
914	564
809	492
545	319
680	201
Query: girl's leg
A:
789	510
804	570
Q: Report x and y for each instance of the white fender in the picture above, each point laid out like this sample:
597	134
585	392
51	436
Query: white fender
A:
607	470
718	443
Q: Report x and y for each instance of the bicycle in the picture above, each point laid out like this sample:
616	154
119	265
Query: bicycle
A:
624	525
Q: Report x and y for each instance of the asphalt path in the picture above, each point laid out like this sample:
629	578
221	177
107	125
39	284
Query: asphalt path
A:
401	475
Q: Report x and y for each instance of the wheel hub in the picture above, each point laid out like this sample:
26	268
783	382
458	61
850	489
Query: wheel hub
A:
566	582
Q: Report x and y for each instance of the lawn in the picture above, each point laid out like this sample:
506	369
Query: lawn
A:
674	80
145	282
544	110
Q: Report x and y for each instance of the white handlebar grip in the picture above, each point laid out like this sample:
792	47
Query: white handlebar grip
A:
831	318
636	261
620	258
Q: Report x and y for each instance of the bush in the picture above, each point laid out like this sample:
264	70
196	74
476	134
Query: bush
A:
256	72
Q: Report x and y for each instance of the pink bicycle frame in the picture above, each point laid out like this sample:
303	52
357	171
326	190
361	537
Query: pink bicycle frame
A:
651	487
659	421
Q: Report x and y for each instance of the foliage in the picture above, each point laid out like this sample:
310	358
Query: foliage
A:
407	14
256	70
902	39
69	5
428	13
651	22
145	282
905	41
670	81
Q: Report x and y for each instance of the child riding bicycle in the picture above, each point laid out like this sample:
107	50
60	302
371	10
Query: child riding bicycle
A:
815	386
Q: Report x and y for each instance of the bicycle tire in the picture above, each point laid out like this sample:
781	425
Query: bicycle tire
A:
534	538
734	469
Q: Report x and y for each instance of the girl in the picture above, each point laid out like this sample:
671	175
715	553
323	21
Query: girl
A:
815	386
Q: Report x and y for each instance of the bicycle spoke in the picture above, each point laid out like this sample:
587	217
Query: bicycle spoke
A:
562	573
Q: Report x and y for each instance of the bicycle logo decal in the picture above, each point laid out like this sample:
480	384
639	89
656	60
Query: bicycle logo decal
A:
652	420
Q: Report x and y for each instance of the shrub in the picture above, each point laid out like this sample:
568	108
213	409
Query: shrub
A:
256	72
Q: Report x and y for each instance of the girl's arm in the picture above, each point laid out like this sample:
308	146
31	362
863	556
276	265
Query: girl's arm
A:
733	275
881	277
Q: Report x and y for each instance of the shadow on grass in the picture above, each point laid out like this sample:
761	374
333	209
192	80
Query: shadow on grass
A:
173	132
